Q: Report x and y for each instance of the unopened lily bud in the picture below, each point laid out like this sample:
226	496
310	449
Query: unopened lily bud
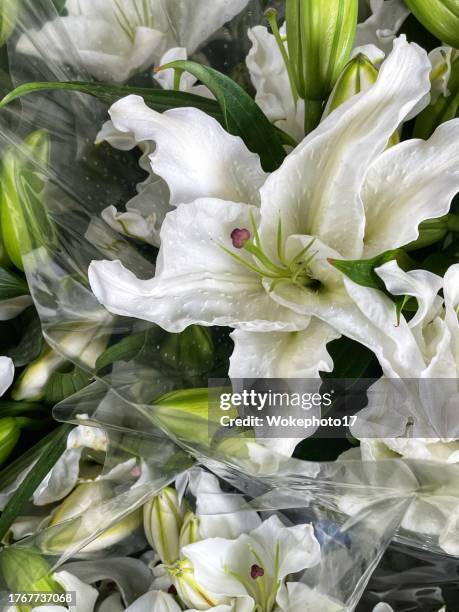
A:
86	506
85	345
358	75
24	570
440	17
9	435
25	222
434	230
190	591
189	533
320	36
190	350
8	17
162	521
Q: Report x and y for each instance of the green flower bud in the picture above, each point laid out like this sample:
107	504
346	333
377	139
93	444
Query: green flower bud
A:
24	570
358	75
193	415
8	16
440	17
162	521
24	220
189	590
434	230
85	506
190	350
189	533
9	435
320	35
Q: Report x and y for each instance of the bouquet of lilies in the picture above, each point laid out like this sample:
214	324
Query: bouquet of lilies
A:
201	200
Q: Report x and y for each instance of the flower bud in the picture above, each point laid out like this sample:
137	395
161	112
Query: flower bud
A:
189	534
24	220
24	570
440	17
320	35
162	521
358	75
434	230
9	435
190	591
8	16
191	350
86	506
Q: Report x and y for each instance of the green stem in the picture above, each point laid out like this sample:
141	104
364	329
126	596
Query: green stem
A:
271	16
312	115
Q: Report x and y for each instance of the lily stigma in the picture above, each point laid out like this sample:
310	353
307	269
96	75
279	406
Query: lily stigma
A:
260	586
295	270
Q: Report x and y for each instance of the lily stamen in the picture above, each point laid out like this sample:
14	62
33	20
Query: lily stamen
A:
294	270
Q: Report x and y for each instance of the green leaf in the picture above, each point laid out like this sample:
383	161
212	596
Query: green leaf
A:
11	285
132	347
157	99
47	459
12	471
14	409
64	384
362	271
243	117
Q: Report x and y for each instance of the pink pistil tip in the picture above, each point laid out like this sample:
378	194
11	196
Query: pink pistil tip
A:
239	237
136	471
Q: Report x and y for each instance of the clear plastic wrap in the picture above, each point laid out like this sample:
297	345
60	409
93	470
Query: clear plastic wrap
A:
357	508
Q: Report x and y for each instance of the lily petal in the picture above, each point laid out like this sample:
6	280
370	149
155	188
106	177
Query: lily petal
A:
420	284
86	595
6	374
451	292
410	183
154	601
197	281
193	21
301	354
186	140
270	79
382	26
316	190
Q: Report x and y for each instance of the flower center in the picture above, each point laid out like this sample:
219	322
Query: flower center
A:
296	270
143	17
260	586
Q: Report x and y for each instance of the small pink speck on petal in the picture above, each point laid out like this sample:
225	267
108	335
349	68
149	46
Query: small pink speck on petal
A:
239	237
136	471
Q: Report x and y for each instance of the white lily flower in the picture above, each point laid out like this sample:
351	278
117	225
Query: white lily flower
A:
294	596
11	308
337	195
427	408
61	479
113	40
253	566
382	26
6	374
145	212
